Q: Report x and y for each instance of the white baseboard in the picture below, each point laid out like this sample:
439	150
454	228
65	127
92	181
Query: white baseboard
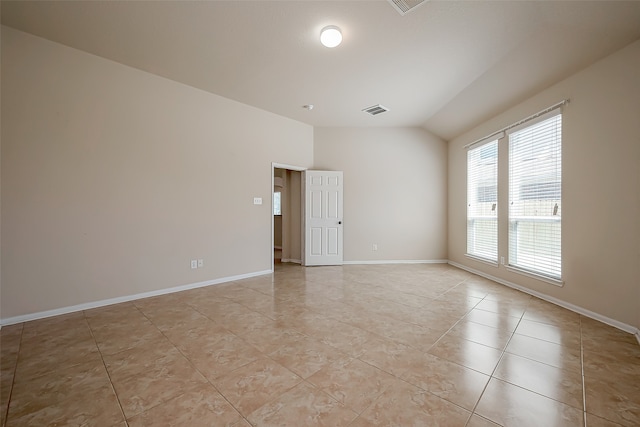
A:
576	309
397	261
117	300
295	261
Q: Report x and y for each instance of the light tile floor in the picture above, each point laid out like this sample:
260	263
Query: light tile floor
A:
394	345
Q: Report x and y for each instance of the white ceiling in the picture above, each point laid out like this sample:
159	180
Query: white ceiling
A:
445	66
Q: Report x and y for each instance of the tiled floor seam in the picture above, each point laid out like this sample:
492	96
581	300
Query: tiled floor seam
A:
532	391
244	416
124	416
399	378
13	378
503	351
406	382
584	391
196	369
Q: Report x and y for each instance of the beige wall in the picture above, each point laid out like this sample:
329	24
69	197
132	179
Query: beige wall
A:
113	179
395	182
277	231
293	205
601	188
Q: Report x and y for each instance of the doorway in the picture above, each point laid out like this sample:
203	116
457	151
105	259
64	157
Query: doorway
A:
286	213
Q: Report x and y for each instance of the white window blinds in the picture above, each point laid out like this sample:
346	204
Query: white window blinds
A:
482	199
535	197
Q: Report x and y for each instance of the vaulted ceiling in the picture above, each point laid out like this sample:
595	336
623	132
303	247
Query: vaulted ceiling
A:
445	66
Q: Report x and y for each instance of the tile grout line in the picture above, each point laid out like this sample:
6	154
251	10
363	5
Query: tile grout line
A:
190	363
504	350
244	417
445	333
584	391
13	378
124	416
449	330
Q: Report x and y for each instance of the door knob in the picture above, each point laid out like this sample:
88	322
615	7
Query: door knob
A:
339	222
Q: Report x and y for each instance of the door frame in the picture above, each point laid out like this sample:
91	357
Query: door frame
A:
274	166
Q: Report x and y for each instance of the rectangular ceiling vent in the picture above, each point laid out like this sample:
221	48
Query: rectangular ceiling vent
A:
405	6
375	109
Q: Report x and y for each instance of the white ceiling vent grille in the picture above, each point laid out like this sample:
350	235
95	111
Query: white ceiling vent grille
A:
405	6
375	109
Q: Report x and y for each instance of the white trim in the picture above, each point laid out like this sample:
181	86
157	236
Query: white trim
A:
127	298
285	166
576	309
483	260
542	278
398	261
295	261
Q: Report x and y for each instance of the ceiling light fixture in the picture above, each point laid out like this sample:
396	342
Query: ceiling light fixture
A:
330	36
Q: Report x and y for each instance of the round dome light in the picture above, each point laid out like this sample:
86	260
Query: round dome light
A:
330	36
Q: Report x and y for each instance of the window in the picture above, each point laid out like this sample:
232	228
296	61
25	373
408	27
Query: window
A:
535	200
482	200
276	203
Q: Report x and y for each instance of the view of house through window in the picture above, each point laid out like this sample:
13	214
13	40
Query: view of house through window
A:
276	203
535	197
482	199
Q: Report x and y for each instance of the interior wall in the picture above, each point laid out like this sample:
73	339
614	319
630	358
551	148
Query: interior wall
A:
601	182
294	212
395	182
113	179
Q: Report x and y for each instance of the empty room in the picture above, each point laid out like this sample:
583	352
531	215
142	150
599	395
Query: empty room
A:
320	213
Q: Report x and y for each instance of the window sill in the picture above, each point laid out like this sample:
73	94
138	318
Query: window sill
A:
546	279
482	260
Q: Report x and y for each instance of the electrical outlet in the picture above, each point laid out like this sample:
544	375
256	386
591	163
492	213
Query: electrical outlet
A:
200	263
257	200
502	260
375	247
194	263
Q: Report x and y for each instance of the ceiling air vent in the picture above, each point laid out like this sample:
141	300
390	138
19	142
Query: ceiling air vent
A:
405	6
375	109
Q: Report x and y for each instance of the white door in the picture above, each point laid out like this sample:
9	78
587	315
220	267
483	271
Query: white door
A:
323	218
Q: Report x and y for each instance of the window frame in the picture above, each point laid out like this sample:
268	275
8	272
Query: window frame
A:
536	177
477	179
